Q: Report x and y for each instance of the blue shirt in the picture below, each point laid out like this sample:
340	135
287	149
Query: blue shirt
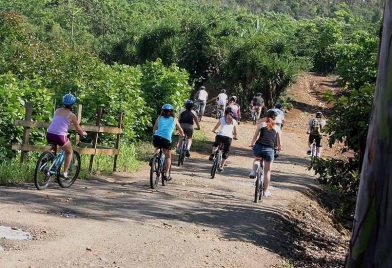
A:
165	127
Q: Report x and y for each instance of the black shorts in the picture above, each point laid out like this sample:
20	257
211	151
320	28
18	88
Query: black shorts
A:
160	142
226	144
316	137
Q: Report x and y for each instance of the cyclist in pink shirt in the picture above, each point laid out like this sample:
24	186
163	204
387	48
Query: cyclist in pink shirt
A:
58	129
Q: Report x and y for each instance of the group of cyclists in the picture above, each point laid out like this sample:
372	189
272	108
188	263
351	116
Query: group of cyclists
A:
266	139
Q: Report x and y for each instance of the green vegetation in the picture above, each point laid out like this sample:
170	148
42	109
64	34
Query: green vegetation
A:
133	56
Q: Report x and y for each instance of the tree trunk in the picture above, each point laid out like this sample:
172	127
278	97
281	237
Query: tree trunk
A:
370	244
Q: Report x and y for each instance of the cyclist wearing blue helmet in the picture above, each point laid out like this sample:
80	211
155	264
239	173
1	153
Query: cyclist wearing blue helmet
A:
58	129
163	131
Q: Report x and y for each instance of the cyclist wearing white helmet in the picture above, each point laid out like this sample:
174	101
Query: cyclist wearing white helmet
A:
163	131
201	97
58	129
221	100
188	119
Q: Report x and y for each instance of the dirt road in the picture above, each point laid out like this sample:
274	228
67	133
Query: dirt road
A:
195	221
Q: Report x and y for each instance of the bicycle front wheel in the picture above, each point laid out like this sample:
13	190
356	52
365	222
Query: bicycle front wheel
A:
154	172
42	172
73	171
181	157
214	165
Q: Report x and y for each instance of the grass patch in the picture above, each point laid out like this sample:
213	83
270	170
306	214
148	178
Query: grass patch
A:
131	158
13	172
200	141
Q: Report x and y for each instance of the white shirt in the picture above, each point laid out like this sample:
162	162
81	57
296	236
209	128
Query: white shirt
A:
225	129
222	99
203	95
280	115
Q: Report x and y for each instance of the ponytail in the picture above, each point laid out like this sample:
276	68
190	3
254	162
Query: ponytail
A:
270	123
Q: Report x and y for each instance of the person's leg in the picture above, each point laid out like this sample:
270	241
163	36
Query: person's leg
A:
202	108
318	146
310	141
167	165
67	148
214	147
226	150
267	174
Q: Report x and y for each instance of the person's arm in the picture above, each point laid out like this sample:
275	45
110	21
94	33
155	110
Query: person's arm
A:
309	123
278	142
216	126
179	128
235	132
196	120
75	123
196	97
255	136
155	125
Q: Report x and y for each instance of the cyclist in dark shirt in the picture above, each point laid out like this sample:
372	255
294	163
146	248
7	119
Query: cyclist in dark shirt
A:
187	120
264	141
257	104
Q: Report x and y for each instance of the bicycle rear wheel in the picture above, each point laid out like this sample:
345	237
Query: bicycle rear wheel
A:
181	157
155	173
73	171
254	118
259	186
42	170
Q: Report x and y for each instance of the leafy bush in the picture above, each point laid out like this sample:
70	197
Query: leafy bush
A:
164	85
14	94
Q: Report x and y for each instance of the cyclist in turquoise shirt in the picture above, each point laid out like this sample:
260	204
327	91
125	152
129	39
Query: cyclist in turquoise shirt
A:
163	131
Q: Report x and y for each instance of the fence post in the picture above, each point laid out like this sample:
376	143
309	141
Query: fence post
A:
95	141
26	131
79	118
117	146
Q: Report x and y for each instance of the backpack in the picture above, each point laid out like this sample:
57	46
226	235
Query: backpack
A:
315	127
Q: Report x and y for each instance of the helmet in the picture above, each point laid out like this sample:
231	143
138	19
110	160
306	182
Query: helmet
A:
188	104
202	87
259	95
167	107
223	91
69	99
319	114
278	105
229	111
272	114
233	98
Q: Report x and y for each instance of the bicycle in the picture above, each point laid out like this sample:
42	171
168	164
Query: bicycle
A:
259	183
183	149
254	116
49	164
217	159
157	164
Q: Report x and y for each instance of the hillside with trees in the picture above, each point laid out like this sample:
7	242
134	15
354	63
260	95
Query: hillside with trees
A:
126	54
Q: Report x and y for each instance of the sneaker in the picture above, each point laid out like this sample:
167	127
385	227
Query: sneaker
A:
187	154
267	194
220	169
64	175
308	152
211	157
252	174
167	178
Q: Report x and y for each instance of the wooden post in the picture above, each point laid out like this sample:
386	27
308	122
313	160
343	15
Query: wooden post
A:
117	146
95	141
79	117
26	131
